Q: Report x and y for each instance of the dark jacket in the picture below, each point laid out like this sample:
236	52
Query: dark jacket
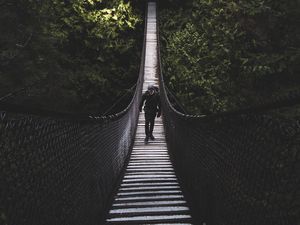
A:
152	103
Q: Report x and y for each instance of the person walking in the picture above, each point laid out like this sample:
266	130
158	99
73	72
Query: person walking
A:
152	109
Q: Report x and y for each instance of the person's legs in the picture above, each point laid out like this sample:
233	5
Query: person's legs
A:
152	119
147	123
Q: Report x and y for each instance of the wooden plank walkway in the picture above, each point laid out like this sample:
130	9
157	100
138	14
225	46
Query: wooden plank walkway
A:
150	192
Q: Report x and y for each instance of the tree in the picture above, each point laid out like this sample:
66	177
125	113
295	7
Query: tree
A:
82	54
230	54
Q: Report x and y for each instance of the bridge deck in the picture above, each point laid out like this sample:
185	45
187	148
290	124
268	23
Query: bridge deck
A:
150	193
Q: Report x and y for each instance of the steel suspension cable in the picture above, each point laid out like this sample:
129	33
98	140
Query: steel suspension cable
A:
118	100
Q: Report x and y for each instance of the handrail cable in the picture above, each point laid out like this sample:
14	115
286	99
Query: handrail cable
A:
118	100
20	90
176	100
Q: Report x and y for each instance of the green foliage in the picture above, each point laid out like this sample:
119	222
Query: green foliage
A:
221	55
86	52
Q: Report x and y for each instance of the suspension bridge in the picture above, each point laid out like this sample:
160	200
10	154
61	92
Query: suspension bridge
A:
236	168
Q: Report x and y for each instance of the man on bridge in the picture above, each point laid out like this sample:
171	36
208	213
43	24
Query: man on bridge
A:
152	108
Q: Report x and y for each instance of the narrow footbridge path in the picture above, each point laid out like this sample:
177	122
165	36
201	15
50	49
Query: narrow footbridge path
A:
150	192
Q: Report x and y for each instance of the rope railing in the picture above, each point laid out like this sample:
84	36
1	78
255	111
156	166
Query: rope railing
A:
118	100
237	168
61	168
18	92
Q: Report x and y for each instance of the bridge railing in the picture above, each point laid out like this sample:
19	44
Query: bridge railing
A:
237	168
58	168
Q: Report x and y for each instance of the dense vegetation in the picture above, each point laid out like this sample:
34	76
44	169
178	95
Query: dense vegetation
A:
220	55
79	55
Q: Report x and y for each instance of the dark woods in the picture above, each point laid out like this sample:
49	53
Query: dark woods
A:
81	56
225	55
69	55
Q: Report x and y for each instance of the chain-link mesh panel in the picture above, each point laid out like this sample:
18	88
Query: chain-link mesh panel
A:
61	169
239	168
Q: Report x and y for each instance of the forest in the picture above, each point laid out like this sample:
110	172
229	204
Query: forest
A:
225	55
73	56
82	55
